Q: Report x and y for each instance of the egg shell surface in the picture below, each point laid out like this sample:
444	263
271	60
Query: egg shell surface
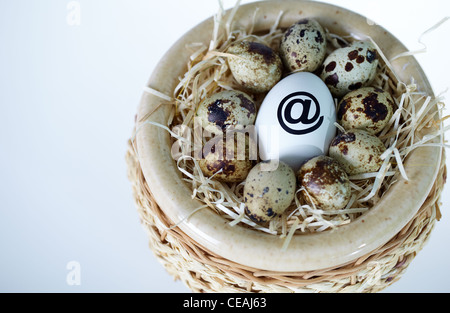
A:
303	46
226	160
357	151
325	183
256	66
226	108
296	120
268	193
350	68
367	108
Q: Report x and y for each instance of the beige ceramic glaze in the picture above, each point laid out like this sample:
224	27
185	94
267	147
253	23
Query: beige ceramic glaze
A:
256	249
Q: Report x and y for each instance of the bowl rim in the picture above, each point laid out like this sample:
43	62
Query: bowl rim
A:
252	248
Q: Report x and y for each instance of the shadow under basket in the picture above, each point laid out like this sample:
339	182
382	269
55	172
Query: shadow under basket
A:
163	199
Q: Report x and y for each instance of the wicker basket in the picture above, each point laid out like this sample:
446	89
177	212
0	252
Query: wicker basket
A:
205	270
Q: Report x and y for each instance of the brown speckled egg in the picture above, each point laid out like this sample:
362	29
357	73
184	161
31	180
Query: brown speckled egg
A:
268	193
226	108
326	183
303	46
350	68
357	151
367	108
257	67
226	165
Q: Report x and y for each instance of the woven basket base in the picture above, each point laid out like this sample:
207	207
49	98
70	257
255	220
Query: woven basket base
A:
203	271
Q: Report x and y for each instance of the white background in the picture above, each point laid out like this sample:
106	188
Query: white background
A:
68	96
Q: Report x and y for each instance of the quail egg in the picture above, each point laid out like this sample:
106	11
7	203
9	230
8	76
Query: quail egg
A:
350	68
325	183
303	46
226	108
256	66
225	161
357	151
268	193
367	108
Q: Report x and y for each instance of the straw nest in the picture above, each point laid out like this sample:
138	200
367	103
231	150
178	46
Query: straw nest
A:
415	123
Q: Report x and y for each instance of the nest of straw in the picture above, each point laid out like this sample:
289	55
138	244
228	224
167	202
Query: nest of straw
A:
415	123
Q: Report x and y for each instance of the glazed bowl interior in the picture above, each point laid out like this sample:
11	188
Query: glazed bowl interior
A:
257	249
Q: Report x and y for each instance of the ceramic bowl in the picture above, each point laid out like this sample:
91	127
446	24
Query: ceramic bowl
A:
250	247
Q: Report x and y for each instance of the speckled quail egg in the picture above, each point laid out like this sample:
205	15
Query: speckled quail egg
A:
226	108
256	66
268	193
303	46
367	108
325	183
357	151
350	68
225	161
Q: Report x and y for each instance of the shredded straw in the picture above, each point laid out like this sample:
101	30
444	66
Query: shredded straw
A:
208	73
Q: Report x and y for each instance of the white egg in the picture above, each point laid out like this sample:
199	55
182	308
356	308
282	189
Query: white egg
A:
296	120
350	68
